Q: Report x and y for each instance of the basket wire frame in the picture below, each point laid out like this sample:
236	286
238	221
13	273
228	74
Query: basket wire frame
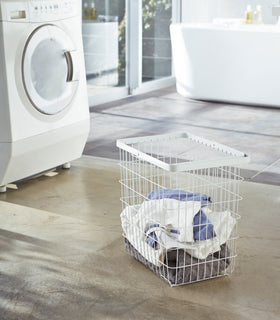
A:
139	178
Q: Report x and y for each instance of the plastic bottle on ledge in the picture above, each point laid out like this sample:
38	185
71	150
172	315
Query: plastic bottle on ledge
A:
92	11
249	15
258	15
86	15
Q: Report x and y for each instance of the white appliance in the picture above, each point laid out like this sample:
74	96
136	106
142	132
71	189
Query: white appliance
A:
101	46
44	113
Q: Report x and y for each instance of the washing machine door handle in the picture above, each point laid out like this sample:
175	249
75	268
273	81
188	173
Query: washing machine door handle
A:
72	62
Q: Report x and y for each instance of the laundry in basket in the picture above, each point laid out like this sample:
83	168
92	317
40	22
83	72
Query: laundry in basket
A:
180	197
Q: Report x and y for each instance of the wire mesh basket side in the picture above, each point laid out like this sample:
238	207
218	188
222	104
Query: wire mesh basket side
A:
209	195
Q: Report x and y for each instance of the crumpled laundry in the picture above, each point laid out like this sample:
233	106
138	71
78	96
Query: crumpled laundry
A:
203	228
152	239
179	267
135	220
180	195
170	214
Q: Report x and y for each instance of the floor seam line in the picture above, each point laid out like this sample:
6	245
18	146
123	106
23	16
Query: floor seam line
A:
271	165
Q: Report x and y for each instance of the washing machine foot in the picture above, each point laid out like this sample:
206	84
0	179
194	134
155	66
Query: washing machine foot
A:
3	189
66	165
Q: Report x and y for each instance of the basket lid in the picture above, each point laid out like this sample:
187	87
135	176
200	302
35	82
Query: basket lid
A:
182	152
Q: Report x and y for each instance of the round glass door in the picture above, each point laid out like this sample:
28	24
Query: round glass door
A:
48	67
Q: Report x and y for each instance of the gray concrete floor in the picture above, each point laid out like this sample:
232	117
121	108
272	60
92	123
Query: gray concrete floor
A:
61	251
62	256
253	130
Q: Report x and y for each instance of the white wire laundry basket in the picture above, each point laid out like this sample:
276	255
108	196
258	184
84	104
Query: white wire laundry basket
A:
180	196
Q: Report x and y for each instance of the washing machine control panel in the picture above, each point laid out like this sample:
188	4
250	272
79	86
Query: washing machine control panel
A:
52	10
39	11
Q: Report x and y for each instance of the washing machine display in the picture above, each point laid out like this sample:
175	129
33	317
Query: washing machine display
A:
49	69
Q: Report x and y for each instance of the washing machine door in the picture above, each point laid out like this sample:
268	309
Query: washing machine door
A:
49	69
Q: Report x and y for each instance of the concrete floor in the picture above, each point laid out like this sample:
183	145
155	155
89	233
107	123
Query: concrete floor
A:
61	251
62	256
253	130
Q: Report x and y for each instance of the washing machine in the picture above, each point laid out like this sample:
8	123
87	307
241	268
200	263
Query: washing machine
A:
44	112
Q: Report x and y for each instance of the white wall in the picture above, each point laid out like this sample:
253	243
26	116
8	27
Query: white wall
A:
207	10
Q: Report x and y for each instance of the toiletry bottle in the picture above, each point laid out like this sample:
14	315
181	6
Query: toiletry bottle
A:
258	15
92	11
249	15
86	11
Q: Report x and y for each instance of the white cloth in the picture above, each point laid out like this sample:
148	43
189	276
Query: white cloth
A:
170	214
135	220
223	223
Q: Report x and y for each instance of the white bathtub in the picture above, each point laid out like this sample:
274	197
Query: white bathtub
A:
238	64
